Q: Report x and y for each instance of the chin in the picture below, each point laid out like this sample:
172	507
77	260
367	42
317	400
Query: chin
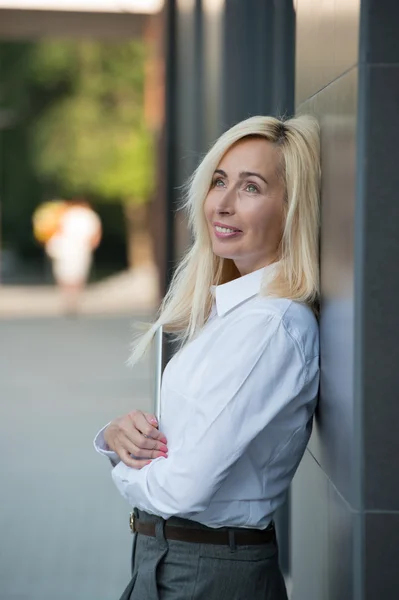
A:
222	253
218	251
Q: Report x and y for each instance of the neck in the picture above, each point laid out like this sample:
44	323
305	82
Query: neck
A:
246	269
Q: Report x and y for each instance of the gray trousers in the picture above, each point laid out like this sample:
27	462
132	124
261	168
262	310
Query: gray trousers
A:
171	570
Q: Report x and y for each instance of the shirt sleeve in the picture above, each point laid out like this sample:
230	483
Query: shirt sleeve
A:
251	374
101	447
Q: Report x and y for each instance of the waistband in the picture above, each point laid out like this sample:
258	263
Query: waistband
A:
190	523
186	530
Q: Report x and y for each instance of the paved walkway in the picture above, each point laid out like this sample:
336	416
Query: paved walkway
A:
64	528
127	292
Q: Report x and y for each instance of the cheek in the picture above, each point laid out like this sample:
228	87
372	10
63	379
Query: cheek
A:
263	222
208	208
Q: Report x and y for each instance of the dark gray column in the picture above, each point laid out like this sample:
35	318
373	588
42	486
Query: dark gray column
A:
170	142
258	66
377	289
231	59
184	119
188	107
283	86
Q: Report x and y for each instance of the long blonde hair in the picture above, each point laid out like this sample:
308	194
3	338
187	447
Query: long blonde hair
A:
188	302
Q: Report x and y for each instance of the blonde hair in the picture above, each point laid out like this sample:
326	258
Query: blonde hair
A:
188	302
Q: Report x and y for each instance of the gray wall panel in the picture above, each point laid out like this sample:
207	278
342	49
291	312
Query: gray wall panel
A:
355	441
326	495
380	318
343	545
309	532
381	556
346	18
326	43
332	440
322	537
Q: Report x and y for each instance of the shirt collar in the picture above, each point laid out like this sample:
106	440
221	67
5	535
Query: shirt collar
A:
231	294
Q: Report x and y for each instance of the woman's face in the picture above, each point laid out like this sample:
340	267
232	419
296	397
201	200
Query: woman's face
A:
244	206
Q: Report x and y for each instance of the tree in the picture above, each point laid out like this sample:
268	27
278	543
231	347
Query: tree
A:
19	185
93	140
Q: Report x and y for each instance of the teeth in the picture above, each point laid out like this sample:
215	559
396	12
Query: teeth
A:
224	229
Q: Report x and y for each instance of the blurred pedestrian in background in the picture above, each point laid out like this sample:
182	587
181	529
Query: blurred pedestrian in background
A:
71	250
238	397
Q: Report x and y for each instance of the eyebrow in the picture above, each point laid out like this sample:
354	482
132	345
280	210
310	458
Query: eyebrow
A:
243	174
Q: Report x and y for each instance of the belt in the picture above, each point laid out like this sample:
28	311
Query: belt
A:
206	536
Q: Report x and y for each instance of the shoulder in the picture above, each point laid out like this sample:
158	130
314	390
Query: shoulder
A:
296	319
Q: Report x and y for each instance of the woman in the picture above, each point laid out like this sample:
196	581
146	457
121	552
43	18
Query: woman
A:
239	396
71	250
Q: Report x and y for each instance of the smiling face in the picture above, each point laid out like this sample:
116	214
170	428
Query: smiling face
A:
244	207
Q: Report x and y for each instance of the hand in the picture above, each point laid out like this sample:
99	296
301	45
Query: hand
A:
136	434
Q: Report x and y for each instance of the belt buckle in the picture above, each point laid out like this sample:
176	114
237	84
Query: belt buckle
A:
132	522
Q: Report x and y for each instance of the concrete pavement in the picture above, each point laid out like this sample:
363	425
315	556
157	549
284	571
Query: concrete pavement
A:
64	527
127	292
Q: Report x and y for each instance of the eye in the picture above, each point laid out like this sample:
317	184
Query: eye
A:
252	188
218	182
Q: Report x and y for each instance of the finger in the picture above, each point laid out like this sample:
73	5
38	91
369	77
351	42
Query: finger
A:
129	426
140	441
143	452
134	463
151	419
143	441
109	438
146	429
132	425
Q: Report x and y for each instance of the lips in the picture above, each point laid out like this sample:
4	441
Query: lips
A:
228	228
224	232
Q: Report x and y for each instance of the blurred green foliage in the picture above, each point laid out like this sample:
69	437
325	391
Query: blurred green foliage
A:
71	124
94	140
20	187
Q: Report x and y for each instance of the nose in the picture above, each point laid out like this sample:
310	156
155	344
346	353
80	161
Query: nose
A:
225	204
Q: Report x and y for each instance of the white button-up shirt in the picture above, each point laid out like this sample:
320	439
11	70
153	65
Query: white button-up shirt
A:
237	407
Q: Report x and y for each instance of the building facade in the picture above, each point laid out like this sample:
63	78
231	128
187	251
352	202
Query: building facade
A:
338	60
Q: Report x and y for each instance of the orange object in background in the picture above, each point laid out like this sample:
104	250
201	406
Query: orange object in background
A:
47	219
77	234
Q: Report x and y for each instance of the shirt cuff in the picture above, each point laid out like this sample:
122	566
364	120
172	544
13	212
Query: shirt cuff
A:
102	447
